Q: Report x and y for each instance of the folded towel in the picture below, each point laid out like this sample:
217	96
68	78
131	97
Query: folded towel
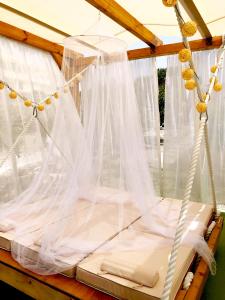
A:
142	274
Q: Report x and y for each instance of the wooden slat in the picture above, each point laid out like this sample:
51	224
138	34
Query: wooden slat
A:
18	34
117	13
41	287
202	271
169	49
195	15
58	58
201	274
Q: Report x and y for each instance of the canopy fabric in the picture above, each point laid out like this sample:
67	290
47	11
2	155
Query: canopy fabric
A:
181	127
93	175
77	16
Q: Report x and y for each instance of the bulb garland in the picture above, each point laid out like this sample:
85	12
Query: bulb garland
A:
40	105
188	29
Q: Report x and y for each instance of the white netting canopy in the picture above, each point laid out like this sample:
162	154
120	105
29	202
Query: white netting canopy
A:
94	180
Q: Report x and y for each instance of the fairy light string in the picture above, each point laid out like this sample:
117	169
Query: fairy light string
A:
191	82
37	107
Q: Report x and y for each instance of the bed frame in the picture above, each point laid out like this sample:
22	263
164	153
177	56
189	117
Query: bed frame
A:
58	287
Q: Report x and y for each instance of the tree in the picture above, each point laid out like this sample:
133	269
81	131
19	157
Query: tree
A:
161	82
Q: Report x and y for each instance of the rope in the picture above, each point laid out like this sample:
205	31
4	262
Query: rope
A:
202	131
13	146
183	212
208	155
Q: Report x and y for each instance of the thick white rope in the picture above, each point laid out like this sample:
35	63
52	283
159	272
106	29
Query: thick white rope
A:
208	155
197	147
13	146
183	212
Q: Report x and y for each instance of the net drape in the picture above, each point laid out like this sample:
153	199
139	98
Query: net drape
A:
34	74
93	180
144	72
181	125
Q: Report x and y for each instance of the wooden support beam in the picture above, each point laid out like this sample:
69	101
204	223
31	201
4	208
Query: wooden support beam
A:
117	13
57	50
58	59
18	34
195	15
170	49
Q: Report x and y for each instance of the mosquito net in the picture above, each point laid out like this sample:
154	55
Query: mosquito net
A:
94	181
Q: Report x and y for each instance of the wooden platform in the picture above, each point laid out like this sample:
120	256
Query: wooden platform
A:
58	287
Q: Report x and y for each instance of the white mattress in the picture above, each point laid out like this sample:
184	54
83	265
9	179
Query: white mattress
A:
102	227
7	237
158	246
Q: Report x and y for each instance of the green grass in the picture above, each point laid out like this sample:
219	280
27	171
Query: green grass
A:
215	286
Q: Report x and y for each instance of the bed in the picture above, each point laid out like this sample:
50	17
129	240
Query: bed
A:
89	270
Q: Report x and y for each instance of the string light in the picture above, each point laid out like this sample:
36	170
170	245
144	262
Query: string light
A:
13	95
48	101
184	55
2	85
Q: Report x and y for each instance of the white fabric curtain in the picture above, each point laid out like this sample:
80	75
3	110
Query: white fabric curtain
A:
181	126
146	87
34	74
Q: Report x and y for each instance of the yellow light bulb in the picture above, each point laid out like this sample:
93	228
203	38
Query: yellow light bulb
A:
169	3
56	95
201	107
218	87
189	28
184	55
13	95
187	74
48	101
2	85
27	102
190	84
40	107
213	69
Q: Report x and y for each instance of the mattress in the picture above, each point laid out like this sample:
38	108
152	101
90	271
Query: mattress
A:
7	237
98	230
152	244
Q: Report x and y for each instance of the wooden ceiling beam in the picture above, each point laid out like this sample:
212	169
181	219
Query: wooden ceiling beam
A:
18	34
170	49
117	13
57	50
195	15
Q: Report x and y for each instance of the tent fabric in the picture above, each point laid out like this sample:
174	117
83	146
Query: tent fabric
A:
146	88
76	17
34	74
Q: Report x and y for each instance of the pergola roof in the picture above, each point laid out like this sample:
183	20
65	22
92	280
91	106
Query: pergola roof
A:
55	19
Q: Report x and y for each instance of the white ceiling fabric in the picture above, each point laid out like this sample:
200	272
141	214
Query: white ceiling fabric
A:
78	16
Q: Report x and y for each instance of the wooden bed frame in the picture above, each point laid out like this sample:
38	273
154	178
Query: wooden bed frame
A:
58	287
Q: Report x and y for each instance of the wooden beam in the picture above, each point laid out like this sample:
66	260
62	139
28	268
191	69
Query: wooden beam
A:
170	49
58	59
44	287
117	13
23	36
195	15
57	50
